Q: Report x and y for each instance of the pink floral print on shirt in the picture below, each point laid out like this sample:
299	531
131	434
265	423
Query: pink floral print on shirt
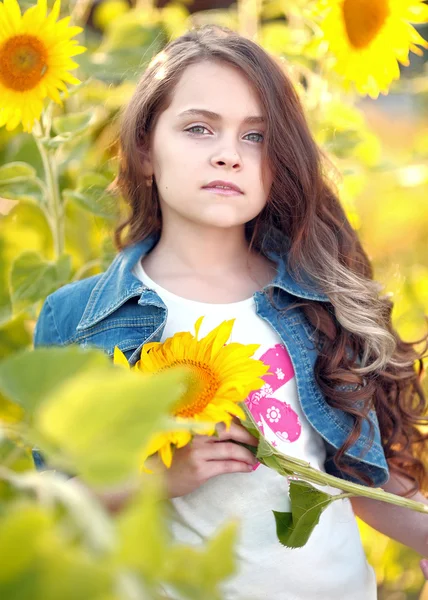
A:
267	410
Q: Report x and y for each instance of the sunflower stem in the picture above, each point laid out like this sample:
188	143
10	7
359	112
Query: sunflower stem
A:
54	205
290	466
307	473
80	13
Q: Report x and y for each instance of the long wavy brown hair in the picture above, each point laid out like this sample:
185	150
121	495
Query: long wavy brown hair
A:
362	362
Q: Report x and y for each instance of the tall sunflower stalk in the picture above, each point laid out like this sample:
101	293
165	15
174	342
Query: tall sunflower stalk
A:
55	208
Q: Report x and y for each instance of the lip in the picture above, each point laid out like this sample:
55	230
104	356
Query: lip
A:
229	184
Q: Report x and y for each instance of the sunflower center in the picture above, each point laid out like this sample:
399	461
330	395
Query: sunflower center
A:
364	19
23	62
202	385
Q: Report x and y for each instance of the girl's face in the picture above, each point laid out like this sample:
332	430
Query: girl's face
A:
189	151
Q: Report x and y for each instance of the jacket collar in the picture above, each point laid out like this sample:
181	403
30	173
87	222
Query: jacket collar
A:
118	284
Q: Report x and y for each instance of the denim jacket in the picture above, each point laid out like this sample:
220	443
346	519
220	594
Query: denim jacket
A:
115	308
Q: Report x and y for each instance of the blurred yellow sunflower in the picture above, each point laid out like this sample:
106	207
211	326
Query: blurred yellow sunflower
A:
35	57
368	37
221	376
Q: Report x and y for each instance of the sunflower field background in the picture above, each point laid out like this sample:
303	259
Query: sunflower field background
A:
57	218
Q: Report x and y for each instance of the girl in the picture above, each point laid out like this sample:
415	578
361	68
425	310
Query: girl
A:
232	216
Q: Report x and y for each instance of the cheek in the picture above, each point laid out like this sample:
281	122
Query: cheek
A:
183	164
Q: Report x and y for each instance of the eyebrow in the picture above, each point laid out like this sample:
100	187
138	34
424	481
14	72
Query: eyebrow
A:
254	120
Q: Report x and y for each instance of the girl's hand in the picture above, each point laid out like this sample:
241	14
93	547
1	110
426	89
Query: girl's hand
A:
206	457
424	567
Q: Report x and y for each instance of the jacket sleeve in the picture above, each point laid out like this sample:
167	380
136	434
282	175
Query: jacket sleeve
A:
45	334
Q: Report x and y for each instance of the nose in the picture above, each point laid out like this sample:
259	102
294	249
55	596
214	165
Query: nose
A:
228	158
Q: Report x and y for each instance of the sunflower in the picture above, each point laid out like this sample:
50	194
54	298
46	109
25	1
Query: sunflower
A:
221	376
35	57
368	37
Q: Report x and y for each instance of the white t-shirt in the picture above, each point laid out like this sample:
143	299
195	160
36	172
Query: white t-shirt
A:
332	565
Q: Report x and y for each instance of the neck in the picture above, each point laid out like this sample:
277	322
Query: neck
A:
198	249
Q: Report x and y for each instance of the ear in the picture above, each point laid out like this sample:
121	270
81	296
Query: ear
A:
146	161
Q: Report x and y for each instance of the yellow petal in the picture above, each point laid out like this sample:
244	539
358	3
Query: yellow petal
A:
166	454
218	337
13	14
119	358
198	326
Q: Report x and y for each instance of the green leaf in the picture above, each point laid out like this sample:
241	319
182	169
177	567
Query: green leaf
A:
31	190
5	310
92	179
307	503
44	369
249	423
252	449
73	123
272	463
40	560
20	535
96	201
91	194
82	505
264	449
220	561
144	519
14	457
55	142
103	419
264	452
196	572
16	171
33	278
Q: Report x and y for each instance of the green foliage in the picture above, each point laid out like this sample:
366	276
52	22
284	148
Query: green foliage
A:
307	504
56	538
39	563
32	278
18	180
101	435
90	194
67	125
159	560
45	370
15	172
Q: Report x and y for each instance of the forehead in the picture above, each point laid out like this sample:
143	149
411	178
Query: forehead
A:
215	86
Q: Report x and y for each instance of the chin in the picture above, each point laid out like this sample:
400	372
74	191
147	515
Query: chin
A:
224	219
223	223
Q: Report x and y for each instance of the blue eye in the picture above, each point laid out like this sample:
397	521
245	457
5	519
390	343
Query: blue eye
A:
195	127
203	127
255	133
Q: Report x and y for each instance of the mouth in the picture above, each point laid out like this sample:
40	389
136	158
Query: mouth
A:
222	191
224	188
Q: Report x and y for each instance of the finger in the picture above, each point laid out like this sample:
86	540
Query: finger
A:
199	440
227	451
220	467
424	567
237	433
